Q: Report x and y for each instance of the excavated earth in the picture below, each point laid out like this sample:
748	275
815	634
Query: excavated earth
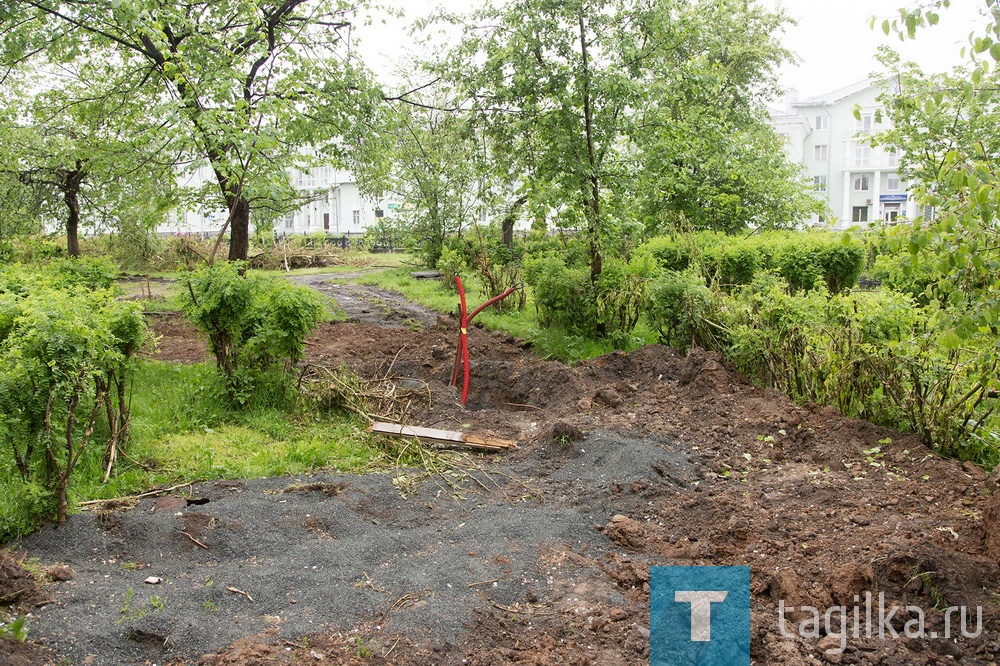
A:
539	555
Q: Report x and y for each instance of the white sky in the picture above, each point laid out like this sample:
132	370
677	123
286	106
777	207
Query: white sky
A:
836	47
831	38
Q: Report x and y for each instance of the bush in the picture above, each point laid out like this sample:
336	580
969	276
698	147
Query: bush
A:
620	295
801	258
804	259
66	357
611	307
669	253
731	264
870	354
253	322
680	309
563	295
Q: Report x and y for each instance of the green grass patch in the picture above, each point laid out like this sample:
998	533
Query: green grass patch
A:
552	343
184	430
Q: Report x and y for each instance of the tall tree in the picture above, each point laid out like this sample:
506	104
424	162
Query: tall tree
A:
247	85
604	109
945	127
88	155
707	155
436	160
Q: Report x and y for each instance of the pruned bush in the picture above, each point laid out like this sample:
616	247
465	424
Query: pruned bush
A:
254	322
670	254
610	307
803	259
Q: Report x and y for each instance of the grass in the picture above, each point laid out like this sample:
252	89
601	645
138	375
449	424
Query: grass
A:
183	430
551	343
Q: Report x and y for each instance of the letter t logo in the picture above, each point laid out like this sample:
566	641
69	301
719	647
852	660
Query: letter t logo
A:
701	611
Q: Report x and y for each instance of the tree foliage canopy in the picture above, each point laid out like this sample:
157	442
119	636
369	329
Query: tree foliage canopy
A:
246	85
603	112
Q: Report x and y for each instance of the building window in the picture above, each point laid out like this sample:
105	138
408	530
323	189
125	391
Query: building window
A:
861	184
864	123
819	183
862	155
289	221
892	158
822	122
820	153
860	214
892	183
356	218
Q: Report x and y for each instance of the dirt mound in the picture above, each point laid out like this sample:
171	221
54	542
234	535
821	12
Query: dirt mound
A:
541	555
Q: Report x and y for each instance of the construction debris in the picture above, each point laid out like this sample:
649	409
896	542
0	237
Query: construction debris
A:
443	437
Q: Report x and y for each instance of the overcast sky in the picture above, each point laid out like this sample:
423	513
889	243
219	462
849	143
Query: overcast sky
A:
832	38
836	46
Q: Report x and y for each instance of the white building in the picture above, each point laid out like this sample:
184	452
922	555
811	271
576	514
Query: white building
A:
335	206
860	184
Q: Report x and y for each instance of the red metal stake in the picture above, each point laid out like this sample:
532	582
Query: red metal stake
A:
462	354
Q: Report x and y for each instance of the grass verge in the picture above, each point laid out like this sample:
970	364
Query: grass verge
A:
552	343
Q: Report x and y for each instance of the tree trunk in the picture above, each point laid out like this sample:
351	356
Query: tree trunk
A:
61	503
507	226
592	186
239	230
70	186
238	215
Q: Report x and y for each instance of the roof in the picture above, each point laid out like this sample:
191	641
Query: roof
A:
836	95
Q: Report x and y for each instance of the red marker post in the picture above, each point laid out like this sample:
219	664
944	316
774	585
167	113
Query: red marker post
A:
462	355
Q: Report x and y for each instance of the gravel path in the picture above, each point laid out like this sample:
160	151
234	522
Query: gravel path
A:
336	551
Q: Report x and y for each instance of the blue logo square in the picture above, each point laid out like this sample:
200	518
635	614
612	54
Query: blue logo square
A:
699	616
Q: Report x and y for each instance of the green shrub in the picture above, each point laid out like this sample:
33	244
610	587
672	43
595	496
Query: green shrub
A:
801	258
804	259
670	254
450	263
611	307
732	263
253	322
873	355
680	309
620	295
66	359
563	295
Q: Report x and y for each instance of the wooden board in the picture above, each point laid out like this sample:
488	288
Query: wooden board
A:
443	437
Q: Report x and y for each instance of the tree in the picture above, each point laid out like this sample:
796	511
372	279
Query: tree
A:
708	155
945	127
606	109
86	158
247	85
437	171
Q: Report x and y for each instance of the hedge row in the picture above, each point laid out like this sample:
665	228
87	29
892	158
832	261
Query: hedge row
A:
800	258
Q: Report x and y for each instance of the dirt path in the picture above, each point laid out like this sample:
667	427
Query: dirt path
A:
541	555
366	304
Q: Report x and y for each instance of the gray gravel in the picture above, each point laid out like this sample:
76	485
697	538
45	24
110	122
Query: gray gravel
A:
311	561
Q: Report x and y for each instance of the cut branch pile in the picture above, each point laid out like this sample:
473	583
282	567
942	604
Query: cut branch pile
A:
377	399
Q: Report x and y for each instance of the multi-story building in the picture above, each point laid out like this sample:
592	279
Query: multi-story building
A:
860	183
334	205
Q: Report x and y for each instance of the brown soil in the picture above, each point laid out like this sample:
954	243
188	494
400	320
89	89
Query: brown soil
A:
821	507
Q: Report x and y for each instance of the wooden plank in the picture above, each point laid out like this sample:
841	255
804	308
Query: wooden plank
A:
444	437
